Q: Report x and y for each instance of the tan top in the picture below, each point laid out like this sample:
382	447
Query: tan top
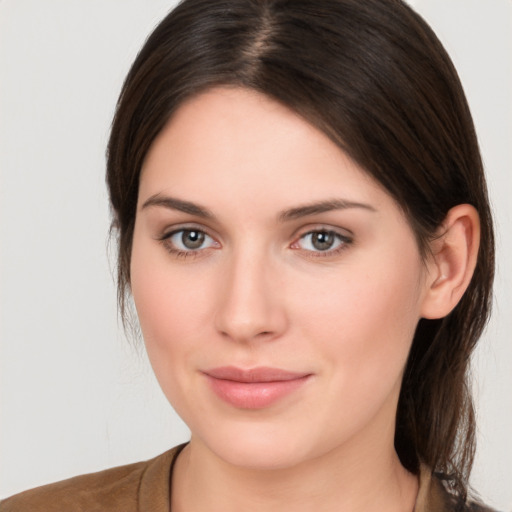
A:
144	487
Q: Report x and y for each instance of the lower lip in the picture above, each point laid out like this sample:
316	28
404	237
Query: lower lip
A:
254	395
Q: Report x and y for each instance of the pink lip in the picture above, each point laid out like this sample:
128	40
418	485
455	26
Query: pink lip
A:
254	388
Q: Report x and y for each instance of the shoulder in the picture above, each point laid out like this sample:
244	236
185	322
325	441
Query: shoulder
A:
478	507
121	488
85	492
475	507
433	496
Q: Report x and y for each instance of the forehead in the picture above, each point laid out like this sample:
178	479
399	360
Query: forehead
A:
236	145
223	121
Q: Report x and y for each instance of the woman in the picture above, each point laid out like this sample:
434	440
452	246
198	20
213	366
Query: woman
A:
304	227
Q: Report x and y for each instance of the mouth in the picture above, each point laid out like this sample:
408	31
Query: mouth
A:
254	388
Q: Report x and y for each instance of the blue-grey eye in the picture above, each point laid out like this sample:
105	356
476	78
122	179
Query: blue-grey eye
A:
321	241
190	239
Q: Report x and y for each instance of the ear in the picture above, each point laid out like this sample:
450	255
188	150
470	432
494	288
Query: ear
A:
452	262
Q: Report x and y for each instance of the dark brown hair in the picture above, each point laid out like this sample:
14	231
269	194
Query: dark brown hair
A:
374	78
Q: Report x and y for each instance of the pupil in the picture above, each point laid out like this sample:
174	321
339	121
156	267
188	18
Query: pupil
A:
323	241
192	239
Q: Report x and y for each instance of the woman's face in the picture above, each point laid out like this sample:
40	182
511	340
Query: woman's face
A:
277	285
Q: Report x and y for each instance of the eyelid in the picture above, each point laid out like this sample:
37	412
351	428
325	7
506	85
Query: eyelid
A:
328	228
320	225
187	226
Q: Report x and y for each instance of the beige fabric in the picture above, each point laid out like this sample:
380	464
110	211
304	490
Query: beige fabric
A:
144	487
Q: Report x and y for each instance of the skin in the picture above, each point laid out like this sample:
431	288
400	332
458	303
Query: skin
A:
259	292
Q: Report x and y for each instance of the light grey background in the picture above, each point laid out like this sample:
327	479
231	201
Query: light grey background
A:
75	396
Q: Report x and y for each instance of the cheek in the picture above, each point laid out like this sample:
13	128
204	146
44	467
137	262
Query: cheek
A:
166	295
172	313
166	309
170	306
364	322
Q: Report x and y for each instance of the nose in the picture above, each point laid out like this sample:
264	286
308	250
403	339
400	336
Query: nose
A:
250	301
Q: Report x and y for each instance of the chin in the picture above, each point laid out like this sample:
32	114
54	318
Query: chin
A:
260	456
257	447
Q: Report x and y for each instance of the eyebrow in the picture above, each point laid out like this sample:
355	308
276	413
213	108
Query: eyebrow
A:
321	207
172	203
314	208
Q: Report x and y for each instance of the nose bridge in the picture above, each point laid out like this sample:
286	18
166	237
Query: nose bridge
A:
249	304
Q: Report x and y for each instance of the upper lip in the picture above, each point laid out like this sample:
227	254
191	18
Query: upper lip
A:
259	374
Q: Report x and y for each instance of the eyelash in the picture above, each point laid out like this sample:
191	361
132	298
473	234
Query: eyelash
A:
345	242
178	253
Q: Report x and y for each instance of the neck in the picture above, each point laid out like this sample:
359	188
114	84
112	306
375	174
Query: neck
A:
359	477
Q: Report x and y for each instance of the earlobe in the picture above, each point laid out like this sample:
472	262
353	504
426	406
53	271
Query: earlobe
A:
452	262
